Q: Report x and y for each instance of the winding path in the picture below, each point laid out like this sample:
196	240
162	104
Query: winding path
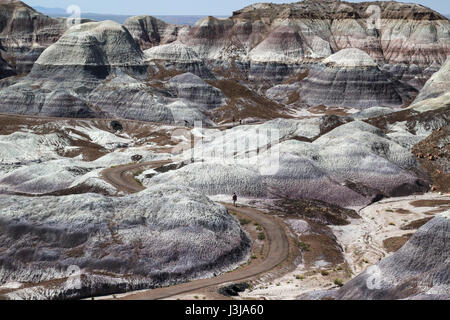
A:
278	244
122	177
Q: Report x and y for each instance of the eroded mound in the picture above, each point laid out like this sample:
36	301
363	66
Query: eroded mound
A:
114	46
351	57
435	94
351	78
419	270
194	89
149	31
25	34
158	237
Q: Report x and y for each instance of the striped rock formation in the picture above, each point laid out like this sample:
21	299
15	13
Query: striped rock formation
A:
351	78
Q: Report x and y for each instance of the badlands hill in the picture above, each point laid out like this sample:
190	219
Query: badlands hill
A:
122	244
268	61
436	91
25	34
352	78
5	69
418	271
149	31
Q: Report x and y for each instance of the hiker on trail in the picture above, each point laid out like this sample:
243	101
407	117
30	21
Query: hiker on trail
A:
234	199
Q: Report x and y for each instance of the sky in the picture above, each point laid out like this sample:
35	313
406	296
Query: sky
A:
183	7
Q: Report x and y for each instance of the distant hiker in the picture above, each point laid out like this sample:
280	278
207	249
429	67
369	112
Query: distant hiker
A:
234	119
234	199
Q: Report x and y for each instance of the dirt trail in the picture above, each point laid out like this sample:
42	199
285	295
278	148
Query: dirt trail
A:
123	178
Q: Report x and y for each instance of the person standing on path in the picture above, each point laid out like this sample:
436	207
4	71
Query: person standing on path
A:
234	199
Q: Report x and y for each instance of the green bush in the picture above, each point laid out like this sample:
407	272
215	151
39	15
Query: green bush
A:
339	282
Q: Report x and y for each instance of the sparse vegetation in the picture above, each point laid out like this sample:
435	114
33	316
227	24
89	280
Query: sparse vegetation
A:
303	246
261	236
314	210
415	224
395	243
339	282
324	273
244	221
